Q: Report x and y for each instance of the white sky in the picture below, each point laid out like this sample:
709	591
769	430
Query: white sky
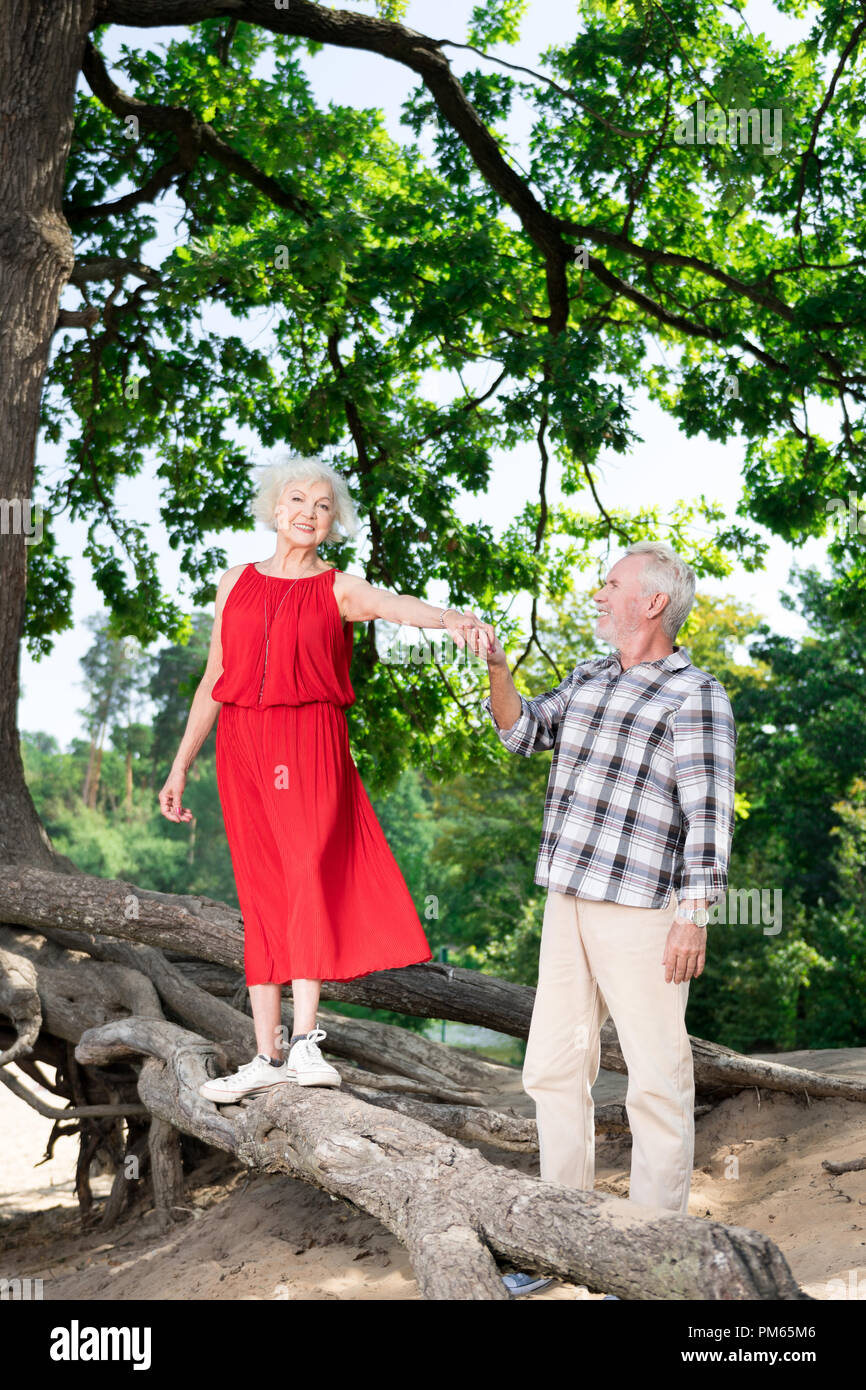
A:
664	468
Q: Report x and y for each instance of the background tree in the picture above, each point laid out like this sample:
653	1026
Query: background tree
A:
114	671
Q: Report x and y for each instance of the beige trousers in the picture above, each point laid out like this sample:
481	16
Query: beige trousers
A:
601	959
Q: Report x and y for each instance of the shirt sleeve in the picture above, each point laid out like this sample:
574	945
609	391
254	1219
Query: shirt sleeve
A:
705	740
536	725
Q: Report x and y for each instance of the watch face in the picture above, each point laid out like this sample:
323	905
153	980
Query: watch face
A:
701	917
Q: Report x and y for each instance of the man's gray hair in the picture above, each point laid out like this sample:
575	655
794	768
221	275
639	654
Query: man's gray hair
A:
665	572
293	468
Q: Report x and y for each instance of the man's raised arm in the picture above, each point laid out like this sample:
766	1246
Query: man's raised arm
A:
524	726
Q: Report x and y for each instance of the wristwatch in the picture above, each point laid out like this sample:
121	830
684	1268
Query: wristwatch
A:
699	915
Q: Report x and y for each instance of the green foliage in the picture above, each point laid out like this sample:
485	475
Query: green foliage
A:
497	21
803	737
375	264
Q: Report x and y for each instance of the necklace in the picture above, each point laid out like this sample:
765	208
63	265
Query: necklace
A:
273	620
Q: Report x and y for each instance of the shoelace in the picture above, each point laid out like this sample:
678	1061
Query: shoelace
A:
243	1070
309	1045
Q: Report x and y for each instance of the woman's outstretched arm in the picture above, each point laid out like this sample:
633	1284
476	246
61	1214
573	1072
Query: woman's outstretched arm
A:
360	602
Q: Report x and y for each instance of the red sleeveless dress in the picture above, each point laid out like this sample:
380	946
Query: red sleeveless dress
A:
321	895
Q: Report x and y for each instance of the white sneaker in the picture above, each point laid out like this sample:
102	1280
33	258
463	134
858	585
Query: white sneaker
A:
253	1077
307	1064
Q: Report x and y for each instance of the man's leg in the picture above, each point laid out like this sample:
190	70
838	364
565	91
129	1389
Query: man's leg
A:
624	946
563	1049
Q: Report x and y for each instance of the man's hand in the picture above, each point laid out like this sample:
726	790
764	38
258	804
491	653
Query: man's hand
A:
685	952
496	652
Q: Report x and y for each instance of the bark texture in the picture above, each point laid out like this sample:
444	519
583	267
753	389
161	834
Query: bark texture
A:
41	48
204	935
452	1209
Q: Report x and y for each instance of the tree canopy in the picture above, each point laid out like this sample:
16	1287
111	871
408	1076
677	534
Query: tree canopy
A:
536	291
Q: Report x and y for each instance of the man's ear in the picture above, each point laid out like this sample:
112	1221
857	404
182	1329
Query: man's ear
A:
658	605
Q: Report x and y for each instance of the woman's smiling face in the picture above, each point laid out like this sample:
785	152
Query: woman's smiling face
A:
305	513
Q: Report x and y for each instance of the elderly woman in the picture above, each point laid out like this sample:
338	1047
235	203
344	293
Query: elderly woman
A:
320	892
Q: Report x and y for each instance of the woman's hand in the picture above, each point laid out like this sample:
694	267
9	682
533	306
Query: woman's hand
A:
171	796
468	630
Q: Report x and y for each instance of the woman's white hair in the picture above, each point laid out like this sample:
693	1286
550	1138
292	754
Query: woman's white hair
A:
274	478
665	572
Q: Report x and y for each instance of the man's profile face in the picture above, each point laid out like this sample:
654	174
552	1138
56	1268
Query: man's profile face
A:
621	606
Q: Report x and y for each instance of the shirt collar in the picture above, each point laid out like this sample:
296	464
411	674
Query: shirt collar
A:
674	661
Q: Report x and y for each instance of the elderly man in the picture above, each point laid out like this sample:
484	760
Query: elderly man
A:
637	829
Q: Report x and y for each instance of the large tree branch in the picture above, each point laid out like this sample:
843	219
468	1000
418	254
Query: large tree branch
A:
114	268
452	1209
424	55
819	116
194	138
211	931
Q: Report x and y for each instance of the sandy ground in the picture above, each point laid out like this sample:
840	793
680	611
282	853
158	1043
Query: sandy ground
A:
757	1163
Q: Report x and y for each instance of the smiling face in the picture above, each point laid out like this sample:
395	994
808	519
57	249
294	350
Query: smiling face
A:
305	513
623	609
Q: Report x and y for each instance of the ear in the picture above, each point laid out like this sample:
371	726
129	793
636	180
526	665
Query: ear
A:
658	604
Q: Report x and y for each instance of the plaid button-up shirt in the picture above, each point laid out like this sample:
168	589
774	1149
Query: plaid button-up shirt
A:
640	798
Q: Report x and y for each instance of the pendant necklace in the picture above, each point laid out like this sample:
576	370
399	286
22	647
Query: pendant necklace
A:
273	620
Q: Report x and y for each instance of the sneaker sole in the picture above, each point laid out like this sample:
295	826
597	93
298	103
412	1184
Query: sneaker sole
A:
321	1078
530	1288
226	1097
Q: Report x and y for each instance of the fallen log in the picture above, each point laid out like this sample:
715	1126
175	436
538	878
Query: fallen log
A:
468	1123
211	931
454	1212
502	1129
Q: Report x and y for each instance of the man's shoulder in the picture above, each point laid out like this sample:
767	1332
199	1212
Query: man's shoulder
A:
696	678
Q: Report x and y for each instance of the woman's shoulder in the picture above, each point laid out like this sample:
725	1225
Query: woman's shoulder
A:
228	580
347	580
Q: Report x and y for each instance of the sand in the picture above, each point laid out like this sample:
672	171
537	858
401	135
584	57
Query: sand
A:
757	1164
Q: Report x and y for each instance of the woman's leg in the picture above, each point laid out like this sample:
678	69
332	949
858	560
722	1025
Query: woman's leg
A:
305	994
265	1002
306	1062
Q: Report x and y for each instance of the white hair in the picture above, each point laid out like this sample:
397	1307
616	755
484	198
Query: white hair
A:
274	478
665	572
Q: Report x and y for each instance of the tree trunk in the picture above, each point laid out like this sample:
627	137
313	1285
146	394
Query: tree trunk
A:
41	50
91	759
93	796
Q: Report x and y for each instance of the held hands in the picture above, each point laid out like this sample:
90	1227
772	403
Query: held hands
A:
469	631
685	952
171	797
496	652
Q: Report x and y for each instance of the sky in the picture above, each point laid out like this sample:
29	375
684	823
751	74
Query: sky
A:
665	467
